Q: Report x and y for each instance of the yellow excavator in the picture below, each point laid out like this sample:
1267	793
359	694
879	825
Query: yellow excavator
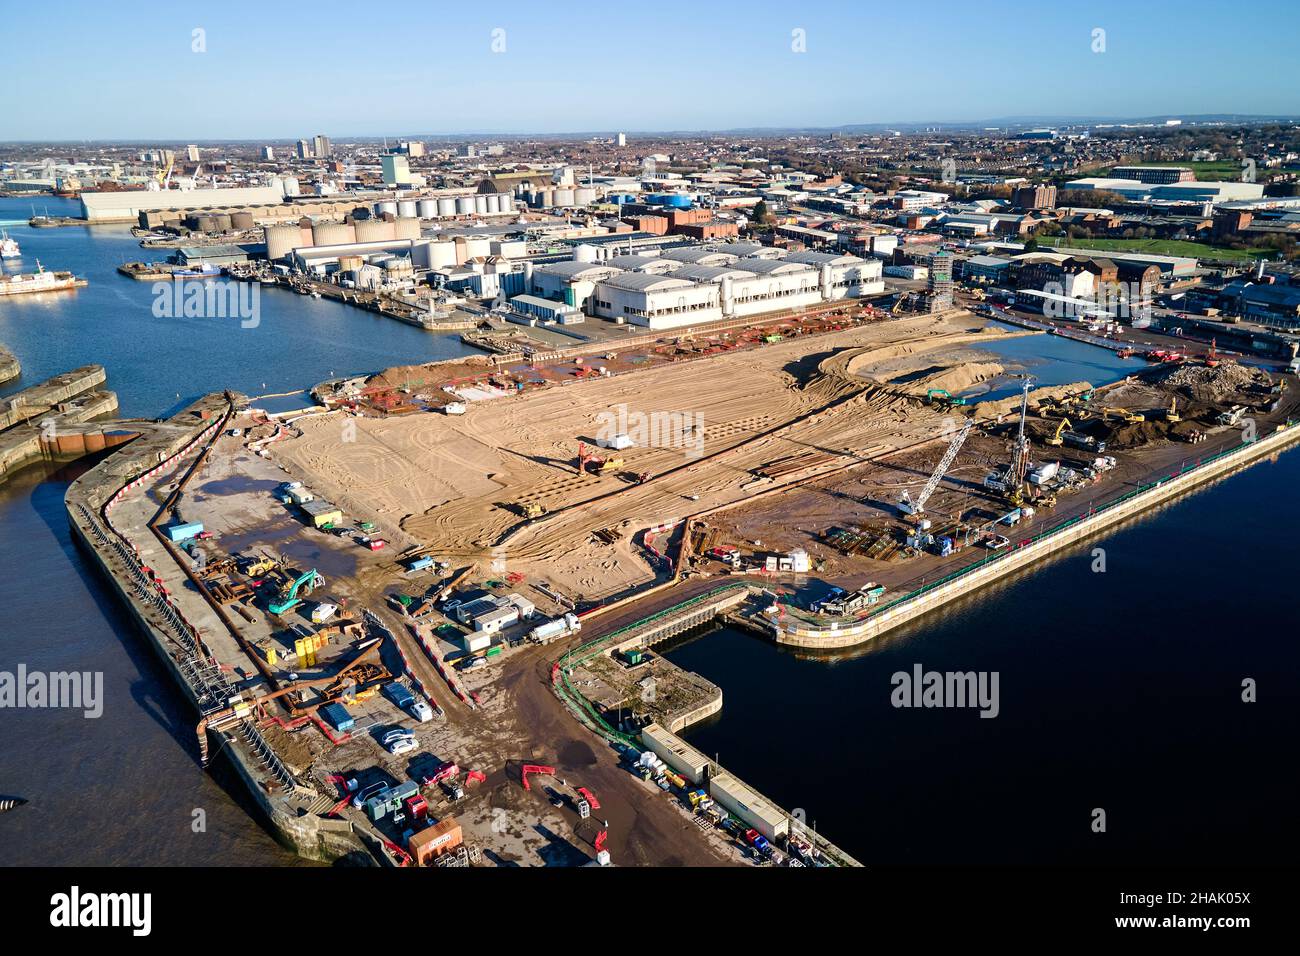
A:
1171	414
1123	414
1055	438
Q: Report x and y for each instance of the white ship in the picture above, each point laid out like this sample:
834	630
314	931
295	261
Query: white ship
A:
8	247
38	281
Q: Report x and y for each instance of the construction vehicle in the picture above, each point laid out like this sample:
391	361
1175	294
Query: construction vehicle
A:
1083	442
257	567
532	509
1055	438
289	598
1171	413
1212	356
943	398
1009	481
916	507
1123	414
605	466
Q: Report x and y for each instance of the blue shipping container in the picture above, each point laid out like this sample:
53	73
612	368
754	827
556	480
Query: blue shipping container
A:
183	532
338	715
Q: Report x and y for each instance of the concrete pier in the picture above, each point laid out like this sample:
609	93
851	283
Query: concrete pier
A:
10	368
63	432
40	400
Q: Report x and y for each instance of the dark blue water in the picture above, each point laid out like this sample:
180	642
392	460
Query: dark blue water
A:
123	789
1119	690
159	364
1052	360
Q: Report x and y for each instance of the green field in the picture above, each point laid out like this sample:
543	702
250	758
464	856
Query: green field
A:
1159	247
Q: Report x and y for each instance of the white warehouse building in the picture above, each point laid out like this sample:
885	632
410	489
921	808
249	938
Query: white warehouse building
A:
657	301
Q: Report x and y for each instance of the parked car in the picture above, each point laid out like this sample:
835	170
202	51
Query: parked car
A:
366	792
395	734
403	745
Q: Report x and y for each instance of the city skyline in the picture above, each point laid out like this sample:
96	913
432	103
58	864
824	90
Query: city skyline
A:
458	72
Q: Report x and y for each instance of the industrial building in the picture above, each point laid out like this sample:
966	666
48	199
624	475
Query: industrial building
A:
126	205
1191	192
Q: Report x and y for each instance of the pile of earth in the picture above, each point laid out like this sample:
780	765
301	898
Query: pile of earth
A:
1228	382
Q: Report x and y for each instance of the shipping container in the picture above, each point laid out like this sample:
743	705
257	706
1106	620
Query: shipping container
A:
183	532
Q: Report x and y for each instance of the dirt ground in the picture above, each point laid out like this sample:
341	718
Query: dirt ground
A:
456	485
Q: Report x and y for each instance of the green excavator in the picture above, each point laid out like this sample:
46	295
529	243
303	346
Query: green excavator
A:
304	585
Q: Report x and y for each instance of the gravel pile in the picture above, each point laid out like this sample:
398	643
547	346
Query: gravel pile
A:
1215	385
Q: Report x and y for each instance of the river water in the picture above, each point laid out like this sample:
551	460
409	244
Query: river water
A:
1117	690
125	788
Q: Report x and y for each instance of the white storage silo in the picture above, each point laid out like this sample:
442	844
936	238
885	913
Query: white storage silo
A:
281	240
375	230
386	206
493	203
480	204
442	254
584	253
332	234
465	206
565	196
446	207
408	207
584	196
428	208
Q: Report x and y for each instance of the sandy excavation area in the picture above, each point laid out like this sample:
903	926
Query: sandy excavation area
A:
803	406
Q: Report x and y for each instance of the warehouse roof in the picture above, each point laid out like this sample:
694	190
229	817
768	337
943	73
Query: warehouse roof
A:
822	258
697	273
772	266
572	269
644	282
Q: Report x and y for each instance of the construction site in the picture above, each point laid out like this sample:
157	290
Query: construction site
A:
424	619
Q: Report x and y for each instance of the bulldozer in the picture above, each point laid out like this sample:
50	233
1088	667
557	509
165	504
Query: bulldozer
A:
534	509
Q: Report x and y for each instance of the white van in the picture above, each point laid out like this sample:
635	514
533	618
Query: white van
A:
421	711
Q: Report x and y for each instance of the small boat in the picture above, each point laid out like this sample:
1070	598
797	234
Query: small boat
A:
10	803
8	247
205	271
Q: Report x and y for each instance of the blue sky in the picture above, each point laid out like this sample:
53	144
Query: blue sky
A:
83	70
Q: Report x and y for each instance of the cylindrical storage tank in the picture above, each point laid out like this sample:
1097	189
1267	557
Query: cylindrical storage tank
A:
446	207
565	196
534	199
442	254
408	227
584	253
428	208
480	204
332	234
241	220
493	203
387	206
584	196
350	263
465	206
375	230
548	198
408	207
281	240
222	222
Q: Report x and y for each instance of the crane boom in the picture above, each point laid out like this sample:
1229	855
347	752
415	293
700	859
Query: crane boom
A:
918	506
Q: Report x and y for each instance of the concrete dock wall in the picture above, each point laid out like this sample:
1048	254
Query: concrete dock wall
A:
910	607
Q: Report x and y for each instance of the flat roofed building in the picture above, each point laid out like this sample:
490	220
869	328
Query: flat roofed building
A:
655	301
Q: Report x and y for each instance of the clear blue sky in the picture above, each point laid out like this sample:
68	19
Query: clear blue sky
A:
97	70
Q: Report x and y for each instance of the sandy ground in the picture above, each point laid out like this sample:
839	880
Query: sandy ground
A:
454	483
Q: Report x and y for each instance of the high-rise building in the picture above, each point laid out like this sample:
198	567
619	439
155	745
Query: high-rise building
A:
268	152
412	148
322	147
939	283
192	153
622	139
304	149
397	172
